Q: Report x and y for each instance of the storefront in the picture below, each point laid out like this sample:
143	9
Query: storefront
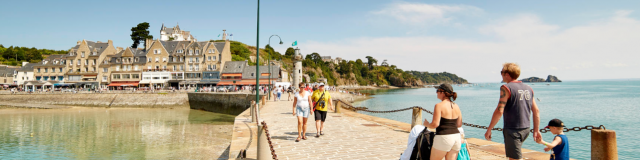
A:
124	85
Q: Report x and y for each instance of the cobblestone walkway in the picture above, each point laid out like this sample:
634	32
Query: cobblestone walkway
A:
349	137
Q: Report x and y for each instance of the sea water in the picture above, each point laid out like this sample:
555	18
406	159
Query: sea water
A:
614	104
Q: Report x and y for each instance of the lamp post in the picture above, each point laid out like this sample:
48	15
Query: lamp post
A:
258	59
269	63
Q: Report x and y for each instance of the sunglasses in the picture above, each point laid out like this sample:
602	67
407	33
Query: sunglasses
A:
502	72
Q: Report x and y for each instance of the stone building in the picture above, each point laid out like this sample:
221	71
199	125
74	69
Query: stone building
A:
8	76
49	73
25	73
175	34
124	68
83	62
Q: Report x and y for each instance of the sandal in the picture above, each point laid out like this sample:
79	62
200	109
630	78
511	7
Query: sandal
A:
322	133
298	139
304	138
317	135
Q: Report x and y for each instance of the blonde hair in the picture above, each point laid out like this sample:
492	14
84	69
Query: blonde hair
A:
512	69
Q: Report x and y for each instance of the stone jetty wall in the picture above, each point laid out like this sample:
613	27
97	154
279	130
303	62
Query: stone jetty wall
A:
129	100
227	103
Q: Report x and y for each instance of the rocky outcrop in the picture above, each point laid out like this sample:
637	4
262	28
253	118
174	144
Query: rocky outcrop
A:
552	78
533	79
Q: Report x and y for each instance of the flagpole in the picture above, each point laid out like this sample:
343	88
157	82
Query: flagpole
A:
258	62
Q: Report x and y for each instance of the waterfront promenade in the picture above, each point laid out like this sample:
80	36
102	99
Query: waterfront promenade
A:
348	135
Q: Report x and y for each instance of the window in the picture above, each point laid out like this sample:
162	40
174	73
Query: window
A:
190	52
197	52
252	74
75	78
95	53
137	59
86	62
60	69
46	78
209	67
60	78
126	76
71	63
104	78
164	67
105	70
210	50
149	59
197	60
149	67
214	58
190	59
53	78
197	67
174	67
164	59
37	78
94	69
214	66
94	62
86	69
135	76
117	68
156	51
181	59
116	76
53	70
181	67
38	70
83	54
157	59
135	68
157	67
209	58
190	67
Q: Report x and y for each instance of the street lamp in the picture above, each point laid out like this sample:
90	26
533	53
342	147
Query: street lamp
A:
269	63
258	61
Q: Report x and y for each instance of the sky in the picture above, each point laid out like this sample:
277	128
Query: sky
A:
573	40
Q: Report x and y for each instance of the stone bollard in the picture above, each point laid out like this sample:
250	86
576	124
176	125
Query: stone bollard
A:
338	106
252	110
264	100
416	118
603	144
264	152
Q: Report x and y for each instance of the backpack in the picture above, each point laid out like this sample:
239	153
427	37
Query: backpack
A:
424	142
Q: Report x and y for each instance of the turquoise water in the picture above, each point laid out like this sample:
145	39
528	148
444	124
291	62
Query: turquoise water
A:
99	133
579	103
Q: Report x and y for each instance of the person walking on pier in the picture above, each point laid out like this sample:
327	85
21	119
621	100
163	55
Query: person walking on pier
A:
447	118
516	104
302	108
321	99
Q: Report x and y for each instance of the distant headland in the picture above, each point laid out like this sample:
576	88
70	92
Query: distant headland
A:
550	78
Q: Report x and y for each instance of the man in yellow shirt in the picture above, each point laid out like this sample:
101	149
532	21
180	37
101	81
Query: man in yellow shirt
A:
322	102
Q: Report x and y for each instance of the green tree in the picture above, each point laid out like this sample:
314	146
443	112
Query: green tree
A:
140	33
290	52
371	61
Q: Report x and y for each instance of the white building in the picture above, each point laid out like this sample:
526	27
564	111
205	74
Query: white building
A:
24	74
175	34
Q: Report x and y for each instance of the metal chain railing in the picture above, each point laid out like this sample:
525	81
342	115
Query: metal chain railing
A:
266	131
544	130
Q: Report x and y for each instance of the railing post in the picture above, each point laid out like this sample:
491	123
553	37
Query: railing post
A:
264	152
338	106
416	117
253	112
264	100
603	144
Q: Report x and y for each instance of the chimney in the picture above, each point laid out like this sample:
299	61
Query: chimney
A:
118	49
110	42
78	42
147	43
99	41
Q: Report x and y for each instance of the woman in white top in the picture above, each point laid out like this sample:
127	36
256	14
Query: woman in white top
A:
302	108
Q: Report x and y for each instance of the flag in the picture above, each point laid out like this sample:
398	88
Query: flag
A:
231	34
295	43
218	35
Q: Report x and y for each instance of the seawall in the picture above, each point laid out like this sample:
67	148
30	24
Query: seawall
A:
227	103
129	100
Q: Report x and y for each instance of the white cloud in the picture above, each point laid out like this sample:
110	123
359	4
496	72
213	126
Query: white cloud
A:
575	52
420	13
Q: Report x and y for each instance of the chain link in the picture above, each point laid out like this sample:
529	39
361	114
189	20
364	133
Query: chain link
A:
266	131
544	130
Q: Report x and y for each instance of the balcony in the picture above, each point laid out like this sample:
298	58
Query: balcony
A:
158	70
82	72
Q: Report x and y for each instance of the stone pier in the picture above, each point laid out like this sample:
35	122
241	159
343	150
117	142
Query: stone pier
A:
348	135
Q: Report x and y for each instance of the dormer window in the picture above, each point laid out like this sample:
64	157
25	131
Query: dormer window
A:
95	53
137	59
197	52
82	54
105	62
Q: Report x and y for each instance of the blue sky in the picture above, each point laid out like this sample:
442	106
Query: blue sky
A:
574	40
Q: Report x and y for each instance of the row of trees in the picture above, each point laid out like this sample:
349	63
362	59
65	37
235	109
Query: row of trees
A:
436	78
14	55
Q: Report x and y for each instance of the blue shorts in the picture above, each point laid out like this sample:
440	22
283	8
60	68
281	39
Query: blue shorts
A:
300	112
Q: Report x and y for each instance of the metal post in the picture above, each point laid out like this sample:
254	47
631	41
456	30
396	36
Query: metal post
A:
258	57
264	152
603	144
269	63
416	117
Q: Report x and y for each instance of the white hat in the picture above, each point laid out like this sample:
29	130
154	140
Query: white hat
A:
461	130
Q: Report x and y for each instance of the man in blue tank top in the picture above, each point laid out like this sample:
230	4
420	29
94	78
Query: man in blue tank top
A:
516	105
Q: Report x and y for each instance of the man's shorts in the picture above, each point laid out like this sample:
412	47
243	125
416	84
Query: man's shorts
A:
320	115
513	139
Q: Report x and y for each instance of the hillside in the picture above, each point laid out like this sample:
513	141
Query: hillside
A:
32	55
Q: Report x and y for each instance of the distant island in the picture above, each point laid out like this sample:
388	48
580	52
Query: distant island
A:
550	78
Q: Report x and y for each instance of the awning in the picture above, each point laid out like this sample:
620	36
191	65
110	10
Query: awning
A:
145	81
232	74
122	84
158	81
63	84
245	82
